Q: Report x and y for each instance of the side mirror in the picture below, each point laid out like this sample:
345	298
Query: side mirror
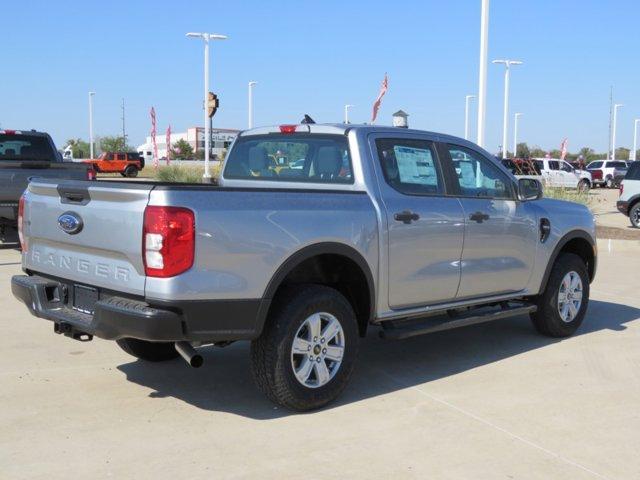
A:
529	189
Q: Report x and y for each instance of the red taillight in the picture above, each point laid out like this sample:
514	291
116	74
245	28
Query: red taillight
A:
288	128
91	174
168	241
23	243
8	132
621	188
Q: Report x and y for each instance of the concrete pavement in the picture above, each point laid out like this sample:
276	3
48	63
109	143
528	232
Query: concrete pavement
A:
485	402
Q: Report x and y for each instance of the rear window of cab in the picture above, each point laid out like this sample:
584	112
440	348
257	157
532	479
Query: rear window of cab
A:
307	158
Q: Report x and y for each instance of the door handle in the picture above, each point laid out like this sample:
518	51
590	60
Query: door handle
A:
478	217
406	217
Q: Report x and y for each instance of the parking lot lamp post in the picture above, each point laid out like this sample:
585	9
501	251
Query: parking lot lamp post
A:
346	112
206	178
91	94
505	114
516	117
251	85
613	134
635	139
466	115
482	77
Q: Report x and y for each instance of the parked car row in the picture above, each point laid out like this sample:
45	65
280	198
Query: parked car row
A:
551	172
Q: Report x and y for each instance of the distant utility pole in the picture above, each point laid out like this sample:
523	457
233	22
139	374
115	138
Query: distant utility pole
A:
610	122
124	134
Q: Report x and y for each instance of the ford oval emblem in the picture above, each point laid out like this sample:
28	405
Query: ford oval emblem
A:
70	223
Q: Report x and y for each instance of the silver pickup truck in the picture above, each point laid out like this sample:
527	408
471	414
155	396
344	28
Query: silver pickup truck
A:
314	235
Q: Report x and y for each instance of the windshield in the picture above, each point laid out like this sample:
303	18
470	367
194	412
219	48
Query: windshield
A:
291	158
25	147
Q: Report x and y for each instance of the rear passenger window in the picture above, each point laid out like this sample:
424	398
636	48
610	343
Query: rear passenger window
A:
410	166
298	157
478	176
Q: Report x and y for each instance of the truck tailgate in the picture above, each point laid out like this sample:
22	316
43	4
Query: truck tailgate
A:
106	251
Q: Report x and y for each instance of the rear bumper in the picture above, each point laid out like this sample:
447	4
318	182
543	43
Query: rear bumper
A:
117	317
623	207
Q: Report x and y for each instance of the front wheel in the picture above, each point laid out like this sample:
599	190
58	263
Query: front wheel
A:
305	356
149	351
584	186
563	304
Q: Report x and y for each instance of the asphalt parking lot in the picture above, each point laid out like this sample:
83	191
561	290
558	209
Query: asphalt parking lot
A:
489	401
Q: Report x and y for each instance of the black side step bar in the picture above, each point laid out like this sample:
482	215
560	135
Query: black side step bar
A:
409	328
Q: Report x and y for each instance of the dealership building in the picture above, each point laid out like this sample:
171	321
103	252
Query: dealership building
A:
221	139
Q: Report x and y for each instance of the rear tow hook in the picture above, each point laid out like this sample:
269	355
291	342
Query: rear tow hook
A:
191	356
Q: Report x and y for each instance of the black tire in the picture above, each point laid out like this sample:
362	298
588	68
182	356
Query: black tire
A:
271	354
131	171
584	186
149	351
609	182
547	318
634	215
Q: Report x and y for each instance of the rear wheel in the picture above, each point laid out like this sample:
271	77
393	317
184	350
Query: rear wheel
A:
131	172
306	353
149	351
563	304
634	215
609	182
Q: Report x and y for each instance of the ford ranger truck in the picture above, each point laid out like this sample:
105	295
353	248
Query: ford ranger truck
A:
404	231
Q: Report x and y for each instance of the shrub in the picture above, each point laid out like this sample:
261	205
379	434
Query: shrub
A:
183	173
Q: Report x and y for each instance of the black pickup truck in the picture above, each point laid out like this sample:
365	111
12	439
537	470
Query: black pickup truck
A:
25	155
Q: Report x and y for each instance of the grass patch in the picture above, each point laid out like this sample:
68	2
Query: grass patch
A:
571	195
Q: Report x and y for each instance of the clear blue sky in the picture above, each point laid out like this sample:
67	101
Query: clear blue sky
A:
313	57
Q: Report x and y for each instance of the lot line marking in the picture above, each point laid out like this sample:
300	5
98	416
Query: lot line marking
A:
11	263
495	427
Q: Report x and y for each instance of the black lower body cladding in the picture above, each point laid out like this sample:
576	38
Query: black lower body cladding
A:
116	317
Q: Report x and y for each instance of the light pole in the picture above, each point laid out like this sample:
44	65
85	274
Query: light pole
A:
635	139
346	112
482	77
505	115
613	133
91	94
515	133
251	85
466	115
206	178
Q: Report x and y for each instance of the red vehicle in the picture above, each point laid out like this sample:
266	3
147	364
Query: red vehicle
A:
127	164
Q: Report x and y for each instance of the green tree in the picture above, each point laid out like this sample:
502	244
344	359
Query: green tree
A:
555	153
114	144
522	150
537	152
181	150
622	153
79	147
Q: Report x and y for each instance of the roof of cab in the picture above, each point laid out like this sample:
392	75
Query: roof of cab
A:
343	128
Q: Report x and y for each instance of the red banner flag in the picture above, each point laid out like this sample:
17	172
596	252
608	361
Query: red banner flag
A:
376	105
169	145
153	137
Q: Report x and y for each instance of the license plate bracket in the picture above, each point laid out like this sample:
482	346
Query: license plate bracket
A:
85	298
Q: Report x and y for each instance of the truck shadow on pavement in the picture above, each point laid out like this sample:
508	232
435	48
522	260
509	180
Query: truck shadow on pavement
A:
224	383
